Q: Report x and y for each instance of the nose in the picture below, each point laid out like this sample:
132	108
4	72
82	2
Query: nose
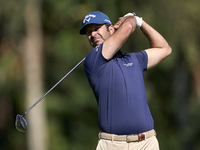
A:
93	33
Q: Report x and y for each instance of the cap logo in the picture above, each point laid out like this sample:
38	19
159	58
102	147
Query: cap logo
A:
106	20
88	17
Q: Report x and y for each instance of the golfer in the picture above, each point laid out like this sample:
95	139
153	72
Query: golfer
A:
124	118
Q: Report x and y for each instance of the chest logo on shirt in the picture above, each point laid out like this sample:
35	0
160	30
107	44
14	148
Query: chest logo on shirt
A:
128	64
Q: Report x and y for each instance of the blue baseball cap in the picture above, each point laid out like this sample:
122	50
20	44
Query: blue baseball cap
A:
95	17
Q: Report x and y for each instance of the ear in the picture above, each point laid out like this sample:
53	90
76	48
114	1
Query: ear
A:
111	29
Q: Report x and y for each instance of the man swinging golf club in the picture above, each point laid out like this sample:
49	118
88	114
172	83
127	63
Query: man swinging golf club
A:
124	120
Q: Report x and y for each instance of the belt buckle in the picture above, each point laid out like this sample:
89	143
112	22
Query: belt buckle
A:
141	136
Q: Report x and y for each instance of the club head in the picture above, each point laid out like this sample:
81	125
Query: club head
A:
21	124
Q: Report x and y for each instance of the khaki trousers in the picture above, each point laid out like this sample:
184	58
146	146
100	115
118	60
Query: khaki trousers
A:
147	144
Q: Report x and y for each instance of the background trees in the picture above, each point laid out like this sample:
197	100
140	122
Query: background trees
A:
173	87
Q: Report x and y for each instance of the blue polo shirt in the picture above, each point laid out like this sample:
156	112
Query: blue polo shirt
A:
119	89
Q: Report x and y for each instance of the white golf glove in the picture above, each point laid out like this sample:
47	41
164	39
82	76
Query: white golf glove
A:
138	19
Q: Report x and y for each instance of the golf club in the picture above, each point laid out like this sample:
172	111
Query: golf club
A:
20	122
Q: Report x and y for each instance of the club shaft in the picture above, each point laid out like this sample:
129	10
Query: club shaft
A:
53	87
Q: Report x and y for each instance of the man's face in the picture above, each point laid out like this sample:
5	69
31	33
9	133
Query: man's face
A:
97	33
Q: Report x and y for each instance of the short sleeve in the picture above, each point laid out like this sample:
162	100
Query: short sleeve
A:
143	59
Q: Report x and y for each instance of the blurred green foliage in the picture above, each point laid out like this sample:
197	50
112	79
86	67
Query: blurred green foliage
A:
173	87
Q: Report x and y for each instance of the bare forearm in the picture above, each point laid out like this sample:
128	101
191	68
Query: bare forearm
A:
125	27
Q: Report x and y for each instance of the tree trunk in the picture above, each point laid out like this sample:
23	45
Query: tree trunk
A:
36	118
